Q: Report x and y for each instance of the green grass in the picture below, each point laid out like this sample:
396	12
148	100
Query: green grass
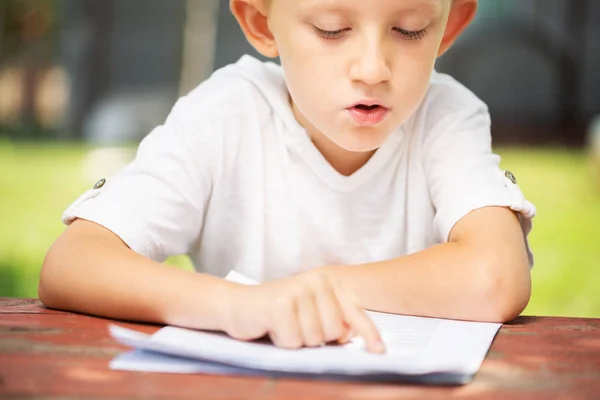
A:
566	234
37	182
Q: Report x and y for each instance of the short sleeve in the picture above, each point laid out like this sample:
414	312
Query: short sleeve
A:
156	203
462	172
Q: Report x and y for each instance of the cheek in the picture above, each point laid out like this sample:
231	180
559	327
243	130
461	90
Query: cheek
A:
310	77
410	96
309	93
306	55
298	63
412	75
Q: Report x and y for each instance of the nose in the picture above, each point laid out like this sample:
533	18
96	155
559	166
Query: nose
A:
370	65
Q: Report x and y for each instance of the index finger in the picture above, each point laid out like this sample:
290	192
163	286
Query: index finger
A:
359	322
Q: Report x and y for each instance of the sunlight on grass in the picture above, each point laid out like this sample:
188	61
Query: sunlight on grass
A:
38	182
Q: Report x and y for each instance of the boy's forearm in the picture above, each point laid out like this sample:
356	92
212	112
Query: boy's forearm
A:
445	281
93	276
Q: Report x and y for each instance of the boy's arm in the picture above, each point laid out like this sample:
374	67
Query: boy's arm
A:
90	270
482	273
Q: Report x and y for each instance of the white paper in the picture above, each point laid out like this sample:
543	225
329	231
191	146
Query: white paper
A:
145	361
414	345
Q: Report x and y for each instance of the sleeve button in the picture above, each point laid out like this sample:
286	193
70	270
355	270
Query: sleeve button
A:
100	183
510	177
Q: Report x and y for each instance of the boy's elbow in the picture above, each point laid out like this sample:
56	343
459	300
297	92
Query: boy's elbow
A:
506	295
45	285
506	308
48	290
45	295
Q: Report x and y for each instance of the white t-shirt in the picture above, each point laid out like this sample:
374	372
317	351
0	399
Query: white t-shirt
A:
233	180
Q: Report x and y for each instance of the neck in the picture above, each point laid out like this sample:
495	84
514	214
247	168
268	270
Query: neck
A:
343	161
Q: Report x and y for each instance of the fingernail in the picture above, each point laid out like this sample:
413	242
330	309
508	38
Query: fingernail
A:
343	340
349	336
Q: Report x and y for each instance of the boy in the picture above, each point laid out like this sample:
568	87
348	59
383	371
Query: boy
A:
354	177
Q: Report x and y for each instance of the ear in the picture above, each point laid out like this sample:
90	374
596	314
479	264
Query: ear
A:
461	15
252	16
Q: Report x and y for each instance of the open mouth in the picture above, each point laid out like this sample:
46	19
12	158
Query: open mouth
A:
366	107
365	114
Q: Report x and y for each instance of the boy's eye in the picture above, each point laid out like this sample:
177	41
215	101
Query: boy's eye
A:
338	33
411	35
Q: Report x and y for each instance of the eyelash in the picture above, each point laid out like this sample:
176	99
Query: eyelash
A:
337	34
330	35
411	35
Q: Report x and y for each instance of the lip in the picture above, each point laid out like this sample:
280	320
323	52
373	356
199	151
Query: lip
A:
368	117
368	102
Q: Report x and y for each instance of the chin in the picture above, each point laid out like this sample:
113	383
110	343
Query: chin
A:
361	146
362	142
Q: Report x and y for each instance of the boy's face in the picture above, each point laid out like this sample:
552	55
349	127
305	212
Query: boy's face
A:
356	69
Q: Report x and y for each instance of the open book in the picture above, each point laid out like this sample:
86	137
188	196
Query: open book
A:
426	350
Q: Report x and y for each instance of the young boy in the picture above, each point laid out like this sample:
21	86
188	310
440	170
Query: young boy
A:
353	177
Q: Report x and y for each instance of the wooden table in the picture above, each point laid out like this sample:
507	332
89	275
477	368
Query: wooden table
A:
50	354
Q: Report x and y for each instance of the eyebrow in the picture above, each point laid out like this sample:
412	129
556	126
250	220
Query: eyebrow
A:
338	5
430	5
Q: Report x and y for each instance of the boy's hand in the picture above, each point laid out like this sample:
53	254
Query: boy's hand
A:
308	309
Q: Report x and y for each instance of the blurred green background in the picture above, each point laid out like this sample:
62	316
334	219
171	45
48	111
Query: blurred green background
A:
82	81
37	182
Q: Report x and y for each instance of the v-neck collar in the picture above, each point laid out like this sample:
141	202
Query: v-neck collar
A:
321	167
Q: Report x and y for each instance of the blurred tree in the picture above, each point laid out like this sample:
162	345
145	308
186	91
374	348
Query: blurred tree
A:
527	59
124	60
27	42
199	42
85	53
